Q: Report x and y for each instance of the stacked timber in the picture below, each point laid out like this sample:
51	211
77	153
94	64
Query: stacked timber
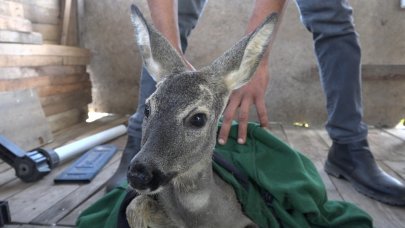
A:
32	57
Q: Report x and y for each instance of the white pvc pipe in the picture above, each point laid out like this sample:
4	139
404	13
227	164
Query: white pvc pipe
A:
70	150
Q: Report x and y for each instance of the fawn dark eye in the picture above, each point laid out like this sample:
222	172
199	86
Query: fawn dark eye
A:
198	120
146	111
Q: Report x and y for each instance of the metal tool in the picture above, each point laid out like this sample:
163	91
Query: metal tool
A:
33	165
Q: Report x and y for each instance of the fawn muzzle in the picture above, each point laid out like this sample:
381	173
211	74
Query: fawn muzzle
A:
147	179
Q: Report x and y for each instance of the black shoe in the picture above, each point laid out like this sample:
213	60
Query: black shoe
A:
120	176
355	163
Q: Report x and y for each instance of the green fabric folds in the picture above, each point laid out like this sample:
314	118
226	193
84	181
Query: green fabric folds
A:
104	212
300	198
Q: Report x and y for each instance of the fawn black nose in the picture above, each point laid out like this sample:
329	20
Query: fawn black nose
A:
143	177
139	176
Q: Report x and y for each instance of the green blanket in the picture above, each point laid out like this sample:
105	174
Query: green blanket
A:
294	194
299	195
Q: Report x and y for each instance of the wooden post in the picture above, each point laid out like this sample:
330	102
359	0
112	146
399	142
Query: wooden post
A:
80	21
66	21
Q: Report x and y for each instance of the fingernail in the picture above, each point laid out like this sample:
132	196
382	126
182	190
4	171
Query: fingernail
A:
241	141
221	141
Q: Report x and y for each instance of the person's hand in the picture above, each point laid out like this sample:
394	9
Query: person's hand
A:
240	101
187	63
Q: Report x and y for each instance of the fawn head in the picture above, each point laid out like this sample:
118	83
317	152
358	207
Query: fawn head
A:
181	116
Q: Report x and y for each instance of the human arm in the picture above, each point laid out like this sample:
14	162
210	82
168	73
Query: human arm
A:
254	91
165	18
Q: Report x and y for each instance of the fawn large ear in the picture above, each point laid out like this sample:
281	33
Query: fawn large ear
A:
160	58
236	66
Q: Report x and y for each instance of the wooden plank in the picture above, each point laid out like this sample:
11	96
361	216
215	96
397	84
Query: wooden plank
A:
23	121
32	201
17	72
42	50
65	119
27	72
59	210
7	176
385	146
398	167
308	142
15	24
52	4
44	91
399	133
41	15
12	187
55	99
48	31
34	61
25	61
80	17
12	9
73	31
277	129
70	219
19	84
66	20
50	42
4	166
33	82
78	100
20	37
16	186
79	60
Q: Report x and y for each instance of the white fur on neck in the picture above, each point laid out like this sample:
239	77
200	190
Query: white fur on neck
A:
196	200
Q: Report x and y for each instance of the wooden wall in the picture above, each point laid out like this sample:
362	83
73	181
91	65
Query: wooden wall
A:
32	57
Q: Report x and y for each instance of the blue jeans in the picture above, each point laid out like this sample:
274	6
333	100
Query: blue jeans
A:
338	54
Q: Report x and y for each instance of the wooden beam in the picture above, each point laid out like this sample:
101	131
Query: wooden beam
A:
59	98
49	32
15	24
65	119
59	89
38	60
41	15
28	72
78	100
15	61
23	120
12	9
66	21
79	60
45	50
34	82
20	37
19	84
52	4
80	21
